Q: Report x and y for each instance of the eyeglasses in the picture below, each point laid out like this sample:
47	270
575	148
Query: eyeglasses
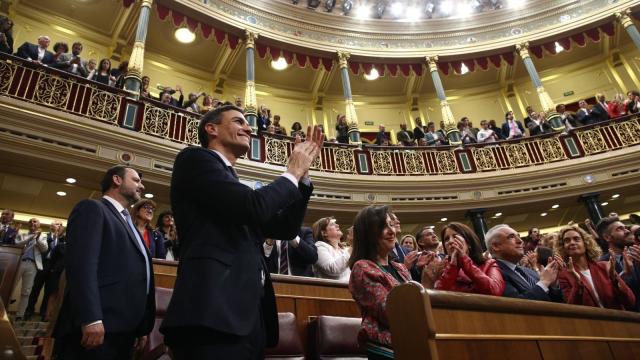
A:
148	207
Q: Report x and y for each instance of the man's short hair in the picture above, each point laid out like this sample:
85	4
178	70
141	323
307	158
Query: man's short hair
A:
107	180
490	236
603	225
214	117
76	43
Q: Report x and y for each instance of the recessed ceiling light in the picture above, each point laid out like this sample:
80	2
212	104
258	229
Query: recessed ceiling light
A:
498	214
184	35
443	219
543	214
372	75
432	227
279	64
148	195
604	203
589	178
615	196
70	180
61	193
555	206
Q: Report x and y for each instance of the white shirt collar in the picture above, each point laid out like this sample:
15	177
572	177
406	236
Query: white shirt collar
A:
224	159
511	265
113	202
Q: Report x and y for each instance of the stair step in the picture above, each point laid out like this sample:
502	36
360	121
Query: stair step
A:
32	349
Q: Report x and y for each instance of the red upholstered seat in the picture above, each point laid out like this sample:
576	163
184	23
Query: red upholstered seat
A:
289	345
337	338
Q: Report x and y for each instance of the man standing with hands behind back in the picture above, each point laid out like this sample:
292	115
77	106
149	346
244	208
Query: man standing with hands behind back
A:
223	304
109	301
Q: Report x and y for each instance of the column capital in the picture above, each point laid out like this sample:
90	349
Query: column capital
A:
432	61
624	17
523	50
250	39
343	58
147	3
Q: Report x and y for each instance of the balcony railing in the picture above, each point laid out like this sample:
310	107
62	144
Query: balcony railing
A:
59	90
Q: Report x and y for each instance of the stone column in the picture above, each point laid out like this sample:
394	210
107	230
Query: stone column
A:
350	109
625	20
545	100
479	224
250	100
450	123
133	79
594	209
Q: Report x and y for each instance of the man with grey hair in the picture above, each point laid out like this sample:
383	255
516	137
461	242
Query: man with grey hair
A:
37	53
507	248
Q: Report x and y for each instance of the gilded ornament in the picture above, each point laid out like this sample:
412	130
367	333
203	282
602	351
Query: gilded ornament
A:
344	160
446	162
414	162
628	132
276	151
551	149
517	155
6	75
381	161
191	131
104	106
52	90
156	121
592	141
484	158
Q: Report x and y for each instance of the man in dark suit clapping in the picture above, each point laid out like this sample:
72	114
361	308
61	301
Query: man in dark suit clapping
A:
223	304
507	248
37	53
109	301
292	257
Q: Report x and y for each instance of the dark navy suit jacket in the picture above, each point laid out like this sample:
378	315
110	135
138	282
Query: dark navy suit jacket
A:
300	258
517	287
29	50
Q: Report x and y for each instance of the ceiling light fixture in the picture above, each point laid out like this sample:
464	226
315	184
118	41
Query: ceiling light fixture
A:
559	48
463	69
555	206
279	64
148	195
543	214
372	75
432	227
70	180
429	8
362	12
443	219
498	214
347	5
329	5
184	35
61	193
615	196
313	4
604	203
380	7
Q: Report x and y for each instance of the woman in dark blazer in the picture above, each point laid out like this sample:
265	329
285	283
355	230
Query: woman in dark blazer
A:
464	269
142	214
373	276
586	281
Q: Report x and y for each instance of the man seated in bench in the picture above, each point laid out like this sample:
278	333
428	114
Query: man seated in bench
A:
507	248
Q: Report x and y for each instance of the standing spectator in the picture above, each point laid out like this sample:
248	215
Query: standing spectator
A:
530	115
120	73
433	137
43	277
103	73
342	129
277	128
92	68
207	104
192	102
486	135
144	90
467	132
6	35
166	97
568	119
538	124
533	240
583	115
57	248
404	137
497	130
332	257
443	133
72	63
8	233
166	226
418	131
142	213
381	137
373	276
58	49
292	257
632	103
37	53
108	307
464	269
511	129
296	130
35	247
616	107
599	111
584	280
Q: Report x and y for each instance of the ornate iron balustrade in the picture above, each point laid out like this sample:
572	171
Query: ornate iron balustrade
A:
59	90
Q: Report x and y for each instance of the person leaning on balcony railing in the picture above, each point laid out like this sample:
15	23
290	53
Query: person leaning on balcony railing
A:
277	128
59	48
296	129
599	111
144	90
512	128
167	98
103	73
405	137
538	124
486	135
616	107
6	35
36	53
632	103
342	129
192	103
71	62
568	119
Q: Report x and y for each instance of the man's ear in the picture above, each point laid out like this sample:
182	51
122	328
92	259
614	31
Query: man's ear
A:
211	129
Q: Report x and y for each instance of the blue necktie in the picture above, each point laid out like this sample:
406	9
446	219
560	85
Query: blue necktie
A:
141	246
531	281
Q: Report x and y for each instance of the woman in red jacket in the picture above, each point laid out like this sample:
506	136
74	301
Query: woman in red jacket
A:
464	269
586	281
373	276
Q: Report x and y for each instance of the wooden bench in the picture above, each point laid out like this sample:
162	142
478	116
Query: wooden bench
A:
433	325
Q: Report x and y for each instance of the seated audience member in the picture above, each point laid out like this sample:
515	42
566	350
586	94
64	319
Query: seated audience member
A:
192	102
142	214
71	62
6	35
144	89
37	53
8	232
486	135
599	111
277	128
433	137
166	97
348	237
616	107
464	269
632	103
408	243
621	243
332	257
342	129
507	248
103	73
427	240
381	137
296	130
496	129
373	276
584	280
532	241
292	257
549	240
405	137
166	226
120	73
35	249
512	129
59	48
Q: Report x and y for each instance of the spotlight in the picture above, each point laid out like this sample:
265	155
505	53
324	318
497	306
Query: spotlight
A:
184	35
555	206
313	4
347	5
329	5
381	5
362	12
543	214
498	214
604	203
443	219
615	196
396	9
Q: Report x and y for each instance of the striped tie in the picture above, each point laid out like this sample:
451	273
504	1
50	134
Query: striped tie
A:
531	281
284	260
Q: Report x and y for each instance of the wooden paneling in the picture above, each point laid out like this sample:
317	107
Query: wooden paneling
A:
625	350
489	349
561	350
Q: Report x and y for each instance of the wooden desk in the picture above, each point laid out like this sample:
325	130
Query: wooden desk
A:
433	325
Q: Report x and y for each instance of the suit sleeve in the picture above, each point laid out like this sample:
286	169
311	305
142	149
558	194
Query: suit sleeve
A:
84	240
572	290
41	244
624	294
225	197
306	251
161	252
23	51
285	224
534	293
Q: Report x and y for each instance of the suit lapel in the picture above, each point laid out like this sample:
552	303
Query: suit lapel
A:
506	270
118	216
